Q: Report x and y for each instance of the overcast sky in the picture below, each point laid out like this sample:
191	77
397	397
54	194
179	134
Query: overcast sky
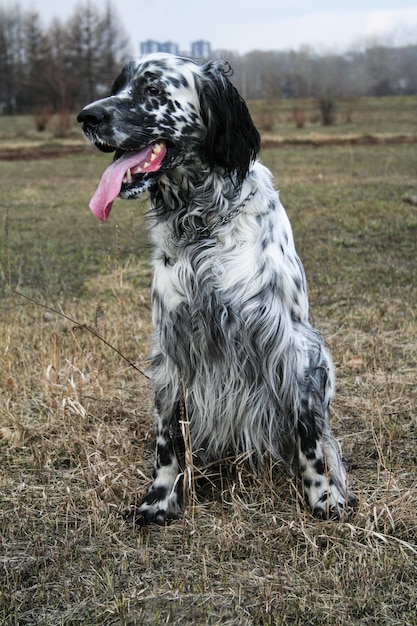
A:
244	25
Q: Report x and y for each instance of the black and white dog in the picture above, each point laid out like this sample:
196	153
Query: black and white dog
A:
232	338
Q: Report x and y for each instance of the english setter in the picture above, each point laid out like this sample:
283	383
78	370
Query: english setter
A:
232	348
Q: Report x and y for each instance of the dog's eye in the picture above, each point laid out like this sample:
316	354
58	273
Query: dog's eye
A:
153	90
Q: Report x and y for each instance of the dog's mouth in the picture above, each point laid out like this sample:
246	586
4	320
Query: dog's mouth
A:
130	174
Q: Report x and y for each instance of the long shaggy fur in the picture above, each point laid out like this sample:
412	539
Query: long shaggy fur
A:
229	296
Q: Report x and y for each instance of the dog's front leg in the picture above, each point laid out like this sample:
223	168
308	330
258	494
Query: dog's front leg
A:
163	502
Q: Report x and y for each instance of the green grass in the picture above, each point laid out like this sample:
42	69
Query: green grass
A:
352	204
55	241
76	419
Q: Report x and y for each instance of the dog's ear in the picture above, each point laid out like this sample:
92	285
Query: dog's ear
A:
232	140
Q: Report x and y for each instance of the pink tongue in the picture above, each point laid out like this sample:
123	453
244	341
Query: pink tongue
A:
111	181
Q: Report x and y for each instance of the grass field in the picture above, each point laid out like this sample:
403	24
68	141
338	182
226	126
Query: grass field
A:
76	438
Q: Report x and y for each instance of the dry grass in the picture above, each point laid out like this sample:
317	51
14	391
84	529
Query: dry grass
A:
365	115
76	418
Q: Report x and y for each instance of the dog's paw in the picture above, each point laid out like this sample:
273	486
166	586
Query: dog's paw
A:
332	504
155	510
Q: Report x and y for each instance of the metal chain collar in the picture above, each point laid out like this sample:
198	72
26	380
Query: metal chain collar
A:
209	228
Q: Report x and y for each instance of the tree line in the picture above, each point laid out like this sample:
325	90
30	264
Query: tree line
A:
60	67
65	65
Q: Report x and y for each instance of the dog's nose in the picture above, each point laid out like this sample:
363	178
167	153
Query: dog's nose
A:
91	116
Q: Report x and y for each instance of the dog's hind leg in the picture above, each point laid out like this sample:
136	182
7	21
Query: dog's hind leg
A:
319	460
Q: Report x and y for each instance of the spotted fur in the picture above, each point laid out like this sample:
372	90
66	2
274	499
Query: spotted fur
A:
232	338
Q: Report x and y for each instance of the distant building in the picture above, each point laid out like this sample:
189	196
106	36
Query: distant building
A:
200	49
149	46
170	47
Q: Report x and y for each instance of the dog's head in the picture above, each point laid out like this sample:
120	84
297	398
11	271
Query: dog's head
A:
162	111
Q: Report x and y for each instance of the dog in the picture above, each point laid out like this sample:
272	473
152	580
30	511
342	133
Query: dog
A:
233	349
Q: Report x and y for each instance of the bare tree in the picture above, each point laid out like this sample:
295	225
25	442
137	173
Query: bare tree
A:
329	85
36	62
11	62
300	81
83	49
114	47
97	46
59	78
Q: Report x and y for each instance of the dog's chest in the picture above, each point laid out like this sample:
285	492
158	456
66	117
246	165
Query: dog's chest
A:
193	273
248	264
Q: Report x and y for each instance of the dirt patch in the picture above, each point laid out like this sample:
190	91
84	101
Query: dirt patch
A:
29	153
318	140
